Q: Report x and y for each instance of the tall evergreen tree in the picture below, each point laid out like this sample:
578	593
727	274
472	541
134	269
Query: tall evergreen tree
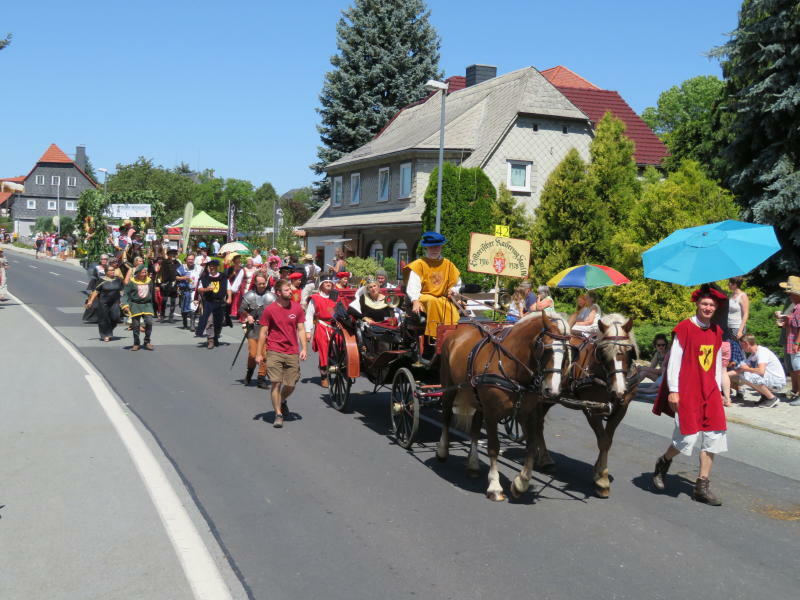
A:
572	225
613	171
761	64
5	41
387	51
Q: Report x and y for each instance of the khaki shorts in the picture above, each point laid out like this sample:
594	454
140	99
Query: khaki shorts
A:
283	368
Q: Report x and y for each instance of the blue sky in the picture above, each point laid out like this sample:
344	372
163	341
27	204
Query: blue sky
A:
234	86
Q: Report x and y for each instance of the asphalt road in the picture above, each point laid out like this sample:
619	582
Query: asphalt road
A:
329	507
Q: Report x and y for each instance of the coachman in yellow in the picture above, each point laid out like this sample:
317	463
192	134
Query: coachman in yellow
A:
430	281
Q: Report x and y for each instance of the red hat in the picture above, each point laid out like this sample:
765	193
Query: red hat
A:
296	276
341	274
708	292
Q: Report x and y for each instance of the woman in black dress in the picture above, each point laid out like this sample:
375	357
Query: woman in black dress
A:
372	304
107	293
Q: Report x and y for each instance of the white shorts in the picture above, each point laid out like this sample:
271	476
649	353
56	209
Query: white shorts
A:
773	383
713	442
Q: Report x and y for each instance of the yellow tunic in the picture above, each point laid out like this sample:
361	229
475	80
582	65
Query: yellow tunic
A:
437	277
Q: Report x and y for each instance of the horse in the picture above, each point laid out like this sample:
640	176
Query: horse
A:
487	375
599	385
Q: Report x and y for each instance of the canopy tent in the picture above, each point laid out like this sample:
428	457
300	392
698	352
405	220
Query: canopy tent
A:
202	224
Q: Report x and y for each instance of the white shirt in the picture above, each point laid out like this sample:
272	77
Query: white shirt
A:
414	286
310	313
216	247
676	356
257	260
764	355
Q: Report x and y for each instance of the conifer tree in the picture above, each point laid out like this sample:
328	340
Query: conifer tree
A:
761	64
387	51
571	226
613	171
507	211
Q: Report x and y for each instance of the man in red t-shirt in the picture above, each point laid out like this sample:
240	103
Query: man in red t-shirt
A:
281	326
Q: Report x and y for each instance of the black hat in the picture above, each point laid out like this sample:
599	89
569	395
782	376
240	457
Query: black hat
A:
325	277
172	251
213	262
287	267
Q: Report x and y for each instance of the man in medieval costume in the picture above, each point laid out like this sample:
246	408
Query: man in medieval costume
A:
137	301
430	282
691	393
188	278
319	313
253	304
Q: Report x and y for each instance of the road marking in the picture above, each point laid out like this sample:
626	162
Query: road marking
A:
33	267
56	274
83	282
199	567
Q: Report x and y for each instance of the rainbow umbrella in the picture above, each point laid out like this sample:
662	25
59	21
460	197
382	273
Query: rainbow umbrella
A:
588	277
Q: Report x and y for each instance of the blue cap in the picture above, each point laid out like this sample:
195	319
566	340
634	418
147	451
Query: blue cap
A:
431	238
201	245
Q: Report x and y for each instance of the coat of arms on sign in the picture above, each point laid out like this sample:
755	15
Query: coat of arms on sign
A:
499	262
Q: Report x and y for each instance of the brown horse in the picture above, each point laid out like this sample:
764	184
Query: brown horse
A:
485	376
598	384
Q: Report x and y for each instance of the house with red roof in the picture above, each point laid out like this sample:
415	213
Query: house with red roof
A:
52	188
517	127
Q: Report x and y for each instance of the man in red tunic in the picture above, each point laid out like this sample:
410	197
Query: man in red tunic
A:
318	317
691	394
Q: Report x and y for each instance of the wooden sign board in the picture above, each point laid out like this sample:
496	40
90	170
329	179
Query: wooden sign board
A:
501	256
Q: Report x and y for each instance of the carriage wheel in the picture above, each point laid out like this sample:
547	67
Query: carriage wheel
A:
338	381
404	408
513	428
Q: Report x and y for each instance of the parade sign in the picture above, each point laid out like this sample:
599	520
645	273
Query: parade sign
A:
129	211
502	231
501	256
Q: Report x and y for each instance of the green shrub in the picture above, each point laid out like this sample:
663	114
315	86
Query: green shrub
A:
361	267
390	266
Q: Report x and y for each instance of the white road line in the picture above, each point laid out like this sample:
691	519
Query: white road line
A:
33	267
83	282
56	274
199	567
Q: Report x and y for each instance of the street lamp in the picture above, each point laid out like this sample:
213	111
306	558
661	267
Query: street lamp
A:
434	86
105	179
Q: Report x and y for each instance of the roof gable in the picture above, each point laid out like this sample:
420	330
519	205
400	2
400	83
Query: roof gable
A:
54	154
561	76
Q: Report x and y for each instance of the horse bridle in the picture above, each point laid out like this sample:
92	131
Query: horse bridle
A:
540	344
622	341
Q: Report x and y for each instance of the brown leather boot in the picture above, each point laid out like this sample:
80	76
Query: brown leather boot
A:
703	494
662	466
323	382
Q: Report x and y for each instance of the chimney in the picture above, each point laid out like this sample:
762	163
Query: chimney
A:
80	157
479	73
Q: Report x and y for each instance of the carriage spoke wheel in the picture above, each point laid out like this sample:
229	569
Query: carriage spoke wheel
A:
513	428
404	408
338	380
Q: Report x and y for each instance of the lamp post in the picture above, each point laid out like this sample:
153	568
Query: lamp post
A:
434	86
105	180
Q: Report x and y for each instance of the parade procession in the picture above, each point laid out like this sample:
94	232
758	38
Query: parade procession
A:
360	317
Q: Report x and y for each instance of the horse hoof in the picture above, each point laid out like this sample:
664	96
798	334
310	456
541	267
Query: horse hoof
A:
602	492
473	474
496	496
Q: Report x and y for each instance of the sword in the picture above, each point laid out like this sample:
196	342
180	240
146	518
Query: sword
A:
246	331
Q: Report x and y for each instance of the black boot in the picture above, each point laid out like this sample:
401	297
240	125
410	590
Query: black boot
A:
185	320
248	377
172	315
262	383
703	494
662	466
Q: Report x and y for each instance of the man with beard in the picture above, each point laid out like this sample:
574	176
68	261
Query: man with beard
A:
253	304
188	277
214	288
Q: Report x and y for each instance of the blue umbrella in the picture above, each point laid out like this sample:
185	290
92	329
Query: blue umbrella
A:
710	252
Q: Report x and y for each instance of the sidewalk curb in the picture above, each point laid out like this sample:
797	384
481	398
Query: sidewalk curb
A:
738	421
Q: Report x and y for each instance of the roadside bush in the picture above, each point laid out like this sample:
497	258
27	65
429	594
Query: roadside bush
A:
361	268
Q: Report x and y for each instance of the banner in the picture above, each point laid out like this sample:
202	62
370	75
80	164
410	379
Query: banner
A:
502	256
129	211
188	215
232	222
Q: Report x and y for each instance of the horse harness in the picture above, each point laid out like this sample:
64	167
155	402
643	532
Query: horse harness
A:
587	371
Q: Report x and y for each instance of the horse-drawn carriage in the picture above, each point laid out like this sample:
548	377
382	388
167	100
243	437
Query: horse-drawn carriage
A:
492	373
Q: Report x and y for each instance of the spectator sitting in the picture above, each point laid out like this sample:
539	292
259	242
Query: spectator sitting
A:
762	372
791	327
544	302
586	316
516	308
656	368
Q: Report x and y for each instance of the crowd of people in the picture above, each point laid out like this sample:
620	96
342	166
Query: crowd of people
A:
55	245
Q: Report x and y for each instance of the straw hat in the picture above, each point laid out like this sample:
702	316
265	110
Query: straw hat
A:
792	286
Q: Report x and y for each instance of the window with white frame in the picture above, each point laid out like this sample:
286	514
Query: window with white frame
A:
70	205
336	192
40	180
355	188
55	180
31	204
383	184
405	180
519	176
51	205
72	181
